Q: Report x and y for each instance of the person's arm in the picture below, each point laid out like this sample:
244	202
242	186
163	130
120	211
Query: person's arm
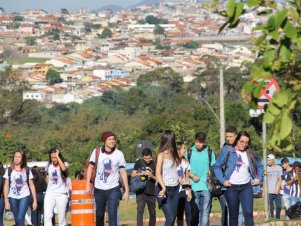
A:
219	164
88	179
124	177
61	163
34	194
158	174
290	179
278	186
135	170
5	194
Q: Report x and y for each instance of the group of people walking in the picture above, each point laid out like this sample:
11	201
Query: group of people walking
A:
176	180
23	188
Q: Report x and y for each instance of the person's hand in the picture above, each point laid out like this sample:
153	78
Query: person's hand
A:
149	174
227	184
34	205
195	178
126	196
7	205
255	182
88	189
57	152
189	196
162	192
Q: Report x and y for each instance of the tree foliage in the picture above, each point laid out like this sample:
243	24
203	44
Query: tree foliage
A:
159	30
277	47
106	33
64	11
150	19
53	77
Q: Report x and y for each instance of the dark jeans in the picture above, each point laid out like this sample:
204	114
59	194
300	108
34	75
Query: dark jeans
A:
150	200
170	204
110	198
224	208
1	209
184	205
273	198
19	208
36	214
240	194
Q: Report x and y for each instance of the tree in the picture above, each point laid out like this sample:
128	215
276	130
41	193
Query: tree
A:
106	33
30	40
53	77
150	19
18	18
277	47
64	11
159	30
88	26
191	45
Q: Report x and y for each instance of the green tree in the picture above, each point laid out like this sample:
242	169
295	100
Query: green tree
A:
191	45
277	47
31	41
159	30
88	26
53	77
18	18
106	33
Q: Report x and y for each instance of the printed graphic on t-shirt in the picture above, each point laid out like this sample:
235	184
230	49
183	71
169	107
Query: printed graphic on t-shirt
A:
55	177
180	171
107	170
239	163
19	184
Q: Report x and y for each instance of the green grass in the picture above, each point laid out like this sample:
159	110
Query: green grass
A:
24	60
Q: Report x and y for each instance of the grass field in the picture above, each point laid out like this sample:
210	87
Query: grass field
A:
24	60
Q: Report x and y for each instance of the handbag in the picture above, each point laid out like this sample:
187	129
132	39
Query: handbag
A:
137	184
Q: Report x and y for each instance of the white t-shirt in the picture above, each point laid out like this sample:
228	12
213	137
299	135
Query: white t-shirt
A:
107	174
181	170
241	174
56	185
18	183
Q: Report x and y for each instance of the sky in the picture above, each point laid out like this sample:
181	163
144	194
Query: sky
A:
57	5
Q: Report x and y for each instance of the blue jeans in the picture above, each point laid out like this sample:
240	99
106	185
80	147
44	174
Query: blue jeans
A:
235	195
295	199
19	208
170	204
203	201
273	198
109	198
1	209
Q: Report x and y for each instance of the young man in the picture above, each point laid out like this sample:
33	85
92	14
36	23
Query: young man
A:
292	181
145	168
199	163
274	185
286	188
106	187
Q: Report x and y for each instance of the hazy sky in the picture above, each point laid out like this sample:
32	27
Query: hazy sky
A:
57	5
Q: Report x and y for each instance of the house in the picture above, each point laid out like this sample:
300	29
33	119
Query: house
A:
34	95
26	29
109	74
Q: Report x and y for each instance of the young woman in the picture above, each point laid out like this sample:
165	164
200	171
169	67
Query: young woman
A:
1	194
18	181
40	185
56	193
238	170
167	188
185	188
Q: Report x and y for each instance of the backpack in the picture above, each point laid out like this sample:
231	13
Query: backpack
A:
10	171
87	162
213	185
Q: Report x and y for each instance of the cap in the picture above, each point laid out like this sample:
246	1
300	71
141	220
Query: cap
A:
271	157
106	135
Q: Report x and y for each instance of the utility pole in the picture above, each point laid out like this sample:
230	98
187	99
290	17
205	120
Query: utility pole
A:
222	107
265	178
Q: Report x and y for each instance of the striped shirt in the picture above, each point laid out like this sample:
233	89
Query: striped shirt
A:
295	189
169	173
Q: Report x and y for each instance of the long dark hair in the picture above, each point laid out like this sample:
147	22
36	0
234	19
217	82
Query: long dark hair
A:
23	161
1	169
53	150
168	142
37	175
